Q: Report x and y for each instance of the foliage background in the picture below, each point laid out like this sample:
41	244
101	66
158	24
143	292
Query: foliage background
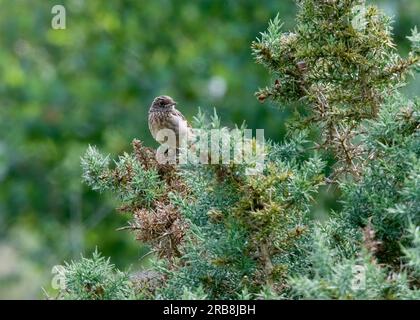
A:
92	83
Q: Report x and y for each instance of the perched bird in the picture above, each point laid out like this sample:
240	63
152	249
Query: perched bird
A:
164	115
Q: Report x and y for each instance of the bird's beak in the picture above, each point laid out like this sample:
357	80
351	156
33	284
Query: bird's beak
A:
173	104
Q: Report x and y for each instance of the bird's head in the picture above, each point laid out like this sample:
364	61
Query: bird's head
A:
163	103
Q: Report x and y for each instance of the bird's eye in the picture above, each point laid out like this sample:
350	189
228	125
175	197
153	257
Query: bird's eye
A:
161	103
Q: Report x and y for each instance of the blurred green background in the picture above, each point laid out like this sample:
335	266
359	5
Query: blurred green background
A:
92	83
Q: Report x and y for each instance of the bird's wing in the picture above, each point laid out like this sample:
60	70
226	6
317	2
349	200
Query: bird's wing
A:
183	128
176	113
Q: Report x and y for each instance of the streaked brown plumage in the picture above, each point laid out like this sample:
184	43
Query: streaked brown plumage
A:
164	115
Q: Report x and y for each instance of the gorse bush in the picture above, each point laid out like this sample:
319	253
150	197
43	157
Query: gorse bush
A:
340	61
95	279
332	276
219	233
216	227
387	195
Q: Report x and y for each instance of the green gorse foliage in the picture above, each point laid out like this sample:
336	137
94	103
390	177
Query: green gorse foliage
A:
341	62
332	276
95	279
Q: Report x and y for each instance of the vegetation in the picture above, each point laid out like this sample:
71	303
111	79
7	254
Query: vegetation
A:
333	215
222	234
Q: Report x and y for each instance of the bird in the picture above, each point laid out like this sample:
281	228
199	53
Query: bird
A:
164	115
